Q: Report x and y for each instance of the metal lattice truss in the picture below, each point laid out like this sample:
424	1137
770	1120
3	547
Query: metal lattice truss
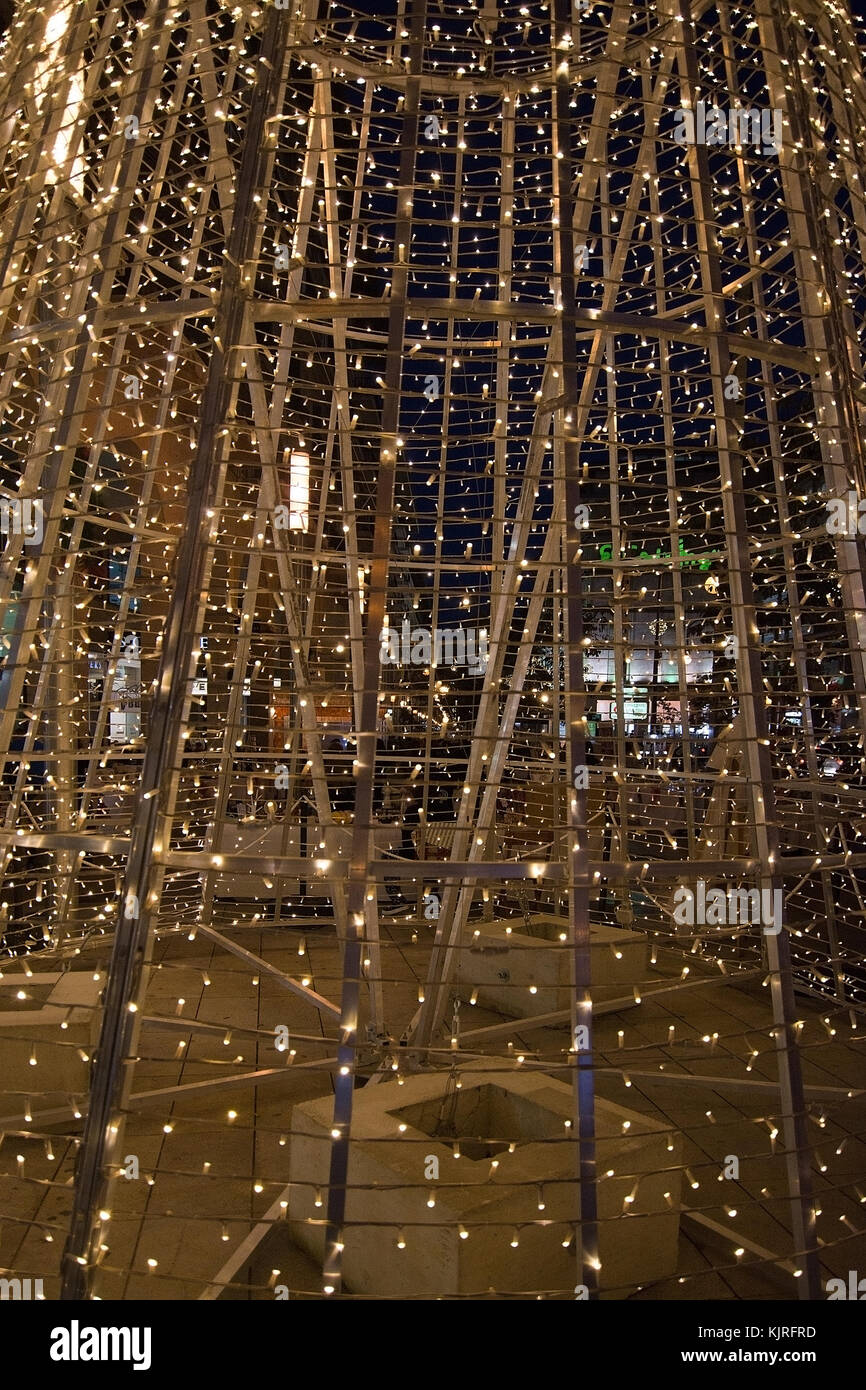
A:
420	446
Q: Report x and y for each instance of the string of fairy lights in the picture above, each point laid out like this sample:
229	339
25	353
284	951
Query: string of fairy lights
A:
126	127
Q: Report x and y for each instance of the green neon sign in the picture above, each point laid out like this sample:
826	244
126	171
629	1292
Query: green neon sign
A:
605	552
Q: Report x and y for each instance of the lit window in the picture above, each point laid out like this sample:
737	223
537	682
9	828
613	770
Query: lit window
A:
299	492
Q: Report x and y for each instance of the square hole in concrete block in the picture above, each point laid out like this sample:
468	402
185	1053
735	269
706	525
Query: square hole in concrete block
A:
484	1120
546	928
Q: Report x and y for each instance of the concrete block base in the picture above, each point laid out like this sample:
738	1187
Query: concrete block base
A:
503	1114
521	968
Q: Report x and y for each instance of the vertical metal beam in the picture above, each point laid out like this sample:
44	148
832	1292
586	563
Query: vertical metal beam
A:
759	774
362	831
151	828
575	691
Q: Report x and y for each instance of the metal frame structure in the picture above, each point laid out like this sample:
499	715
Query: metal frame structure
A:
557	376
